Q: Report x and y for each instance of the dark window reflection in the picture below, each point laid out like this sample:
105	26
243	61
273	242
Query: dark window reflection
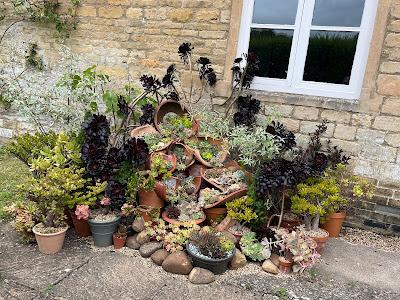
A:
273	49
346	13
330	56
275	12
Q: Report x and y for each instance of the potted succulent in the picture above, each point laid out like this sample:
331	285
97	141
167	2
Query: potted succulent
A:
183	154
240	210
316	198
253	248
184	212
210	250
351	186
209	152
119	237
177	127
157	142
229	180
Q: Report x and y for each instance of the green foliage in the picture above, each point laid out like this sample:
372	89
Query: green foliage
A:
260	207
176	127
32	58
160	166
281	293
28	146
251	247
211	244
241	209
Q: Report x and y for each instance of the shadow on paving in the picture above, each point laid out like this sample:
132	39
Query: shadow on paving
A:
80	272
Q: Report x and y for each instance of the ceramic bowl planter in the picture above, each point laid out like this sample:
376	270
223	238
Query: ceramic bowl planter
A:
217	266
103	231
49	243
215	214
143	130
82	228
285	265
334	223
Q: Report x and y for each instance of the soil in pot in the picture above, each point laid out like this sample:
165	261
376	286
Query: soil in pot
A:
49	240
103	230
119	240
215	214
182	223
82	228
217	266
321	236
150	199
334	223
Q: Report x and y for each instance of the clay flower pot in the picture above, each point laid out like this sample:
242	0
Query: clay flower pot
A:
334	223
181	223
147	213
50	243
172	106
143	130
321	241
118	241
285	265
161	187
229	197
286	223
196	170
213	142
215	214
168	157
82	228
103	231
150	199
187	151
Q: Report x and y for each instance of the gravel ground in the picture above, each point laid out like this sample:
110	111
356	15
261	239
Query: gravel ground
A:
370	239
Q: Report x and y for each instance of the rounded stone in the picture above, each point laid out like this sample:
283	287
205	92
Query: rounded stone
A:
268	266
238	260
159	256
201	276
146	250
142	238
132	243
177	263
138	225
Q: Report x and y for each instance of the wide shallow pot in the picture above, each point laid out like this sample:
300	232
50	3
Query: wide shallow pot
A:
143	130
215	214
118	241
334	223
285	265
81	227
217	266
168	157
50	243
175	107
321	241
150	199
181	223
218	144
188	152
103	231
226	198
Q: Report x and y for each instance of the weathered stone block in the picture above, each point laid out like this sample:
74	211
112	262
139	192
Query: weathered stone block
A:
207	15
391	106
390	67
370	135
389	85
134	13
308	127
395	26
180	15
119	2
111	12
361	120
212	34
306	113
291	124
392	40
345	132
378	152
87	11
387	123
349	147
336	116
393	139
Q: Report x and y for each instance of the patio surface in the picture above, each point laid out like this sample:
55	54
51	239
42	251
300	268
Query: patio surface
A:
81	271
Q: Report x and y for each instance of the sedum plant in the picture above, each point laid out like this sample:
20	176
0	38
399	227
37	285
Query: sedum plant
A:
241	209
24	218
316	198
252	248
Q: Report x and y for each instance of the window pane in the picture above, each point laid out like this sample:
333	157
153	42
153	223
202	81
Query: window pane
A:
330	56
338	13
275	12
273	49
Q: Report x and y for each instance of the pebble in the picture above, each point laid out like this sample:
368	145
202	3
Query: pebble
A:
177	263
142	238
138	225
159	256
238	260
146	250
132	243
201	276
268	266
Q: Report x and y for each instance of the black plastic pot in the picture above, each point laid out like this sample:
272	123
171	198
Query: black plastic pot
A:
217	266
102	232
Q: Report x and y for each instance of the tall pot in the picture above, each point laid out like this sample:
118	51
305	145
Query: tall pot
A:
50	243
334	223
81	227
103	231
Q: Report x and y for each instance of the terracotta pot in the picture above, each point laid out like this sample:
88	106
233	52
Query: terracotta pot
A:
118	241
143	130
150	199
50	243
229	197
196	170
172	106
288	224
334	223
188	153
321	241
81	227
285	265
215	214
214	142
176	222
169	157
161	187
146	213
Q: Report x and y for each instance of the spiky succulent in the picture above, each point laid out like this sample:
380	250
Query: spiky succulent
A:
147	116
211	244
248	108
284	137
184	51
173	212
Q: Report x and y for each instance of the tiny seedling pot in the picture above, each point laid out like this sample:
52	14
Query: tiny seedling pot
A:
119	241
103	231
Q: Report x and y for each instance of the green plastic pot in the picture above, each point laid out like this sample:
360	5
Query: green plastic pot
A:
217	266
102	231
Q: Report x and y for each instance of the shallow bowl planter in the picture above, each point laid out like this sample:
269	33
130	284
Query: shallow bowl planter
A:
217	266
103	231
82	228
213	142
50	243
142	131
334	223
229	197
181	223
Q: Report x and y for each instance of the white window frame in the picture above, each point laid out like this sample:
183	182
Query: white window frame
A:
294	82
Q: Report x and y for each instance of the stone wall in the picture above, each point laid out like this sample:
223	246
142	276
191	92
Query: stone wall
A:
132	37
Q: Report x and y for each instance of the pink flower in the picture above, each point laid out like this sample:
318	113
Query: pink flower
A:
82	212
105	201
